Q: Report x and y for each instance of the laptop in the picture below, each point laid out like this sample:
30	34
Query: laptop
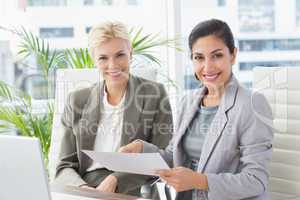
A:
23	174
22	169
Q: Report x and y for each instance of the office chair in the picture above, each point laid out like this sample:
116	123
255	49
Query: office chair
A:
281	87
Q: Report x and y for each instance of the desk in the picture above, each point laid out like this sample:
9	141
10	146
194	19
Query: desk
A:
76	191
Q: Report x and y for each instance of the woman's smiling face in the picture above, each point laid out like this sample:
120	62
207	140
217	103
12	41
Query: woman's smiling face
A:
212	61
112	58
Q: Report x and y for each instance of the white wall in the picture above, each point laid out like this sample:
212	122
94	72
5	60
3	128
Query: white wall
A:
285	16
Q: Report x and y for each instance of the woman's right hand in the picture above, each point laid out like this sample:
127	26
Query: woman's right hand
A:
133	147
87	187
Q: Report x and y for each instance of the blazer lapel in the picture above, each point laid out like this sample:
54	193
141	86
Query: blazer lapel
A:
89	121
218	124
215	131
190	113
134	103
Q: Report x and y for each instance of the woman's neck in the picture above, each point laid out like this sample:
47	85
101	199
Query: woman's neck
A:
214	94
213	97
115	93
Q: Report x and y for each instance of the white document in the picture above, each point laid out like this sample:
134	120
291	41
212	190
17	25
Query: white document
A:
136	163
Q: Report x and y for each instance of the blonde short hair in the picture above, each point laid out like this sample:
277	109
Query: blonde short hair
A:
106	31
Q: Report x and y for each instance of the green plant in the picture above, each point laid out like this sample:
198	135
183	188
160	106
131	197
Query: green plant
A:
144	45
78	58
33	45
16	111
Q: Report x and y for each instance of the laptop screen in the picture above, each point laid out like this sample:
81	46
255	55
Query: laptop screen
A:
22	171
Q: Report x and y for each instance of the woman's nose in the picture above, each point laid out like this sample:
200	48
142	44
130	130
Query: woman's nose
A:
207	64
111	63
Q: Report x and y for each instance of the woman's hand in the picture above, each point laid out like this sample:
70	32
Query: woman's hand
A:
87	187
183	179
109	184
133	147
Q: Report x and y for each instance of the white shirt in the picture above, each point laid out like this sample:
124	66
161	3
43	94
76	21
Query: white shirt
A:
109	133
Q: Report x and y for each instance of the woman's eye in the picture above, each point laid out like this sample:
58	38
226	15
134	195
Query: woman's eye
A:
218	55
121	55
101	58
198	57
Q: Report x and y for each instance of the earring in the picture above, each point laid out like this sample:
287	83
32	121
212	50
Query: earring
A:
196	76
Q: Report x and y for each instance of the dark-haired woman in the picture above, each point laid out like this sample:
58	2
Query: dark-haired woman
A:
222	142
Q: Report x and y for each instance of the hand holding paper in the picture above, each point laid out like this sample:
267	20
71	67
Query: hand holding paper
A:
136	163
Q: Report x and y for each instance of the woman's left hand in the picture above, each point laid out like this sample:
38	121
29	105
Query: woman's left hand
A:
183	179
109	184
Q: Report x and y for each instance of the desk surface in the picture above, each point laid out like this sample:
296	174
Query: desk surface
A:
92	194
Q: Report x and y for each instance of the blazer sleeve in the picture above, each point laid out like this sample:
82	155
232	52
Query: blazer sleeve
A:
161	134
68	166
256	135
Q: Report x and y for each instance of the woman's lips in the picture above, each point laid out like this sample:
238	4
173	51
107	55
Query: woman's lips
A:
114	73
211	77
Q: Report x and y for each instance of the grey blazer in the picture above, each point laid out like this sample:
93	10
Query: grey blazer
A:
238	146
147	116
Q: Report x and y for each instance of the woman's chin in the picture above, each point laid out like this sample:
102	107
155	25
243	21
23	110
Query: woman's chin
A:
214	84
116	80
209	83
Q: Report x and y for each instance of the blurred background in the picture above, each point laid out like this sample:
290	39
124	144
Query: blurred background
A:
266	32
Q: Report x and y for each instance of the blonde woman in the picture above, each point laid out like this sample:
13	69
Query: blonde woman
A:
110	114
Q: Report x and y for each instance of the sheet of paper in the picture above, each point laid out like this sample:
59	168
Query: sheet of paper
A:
137	163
